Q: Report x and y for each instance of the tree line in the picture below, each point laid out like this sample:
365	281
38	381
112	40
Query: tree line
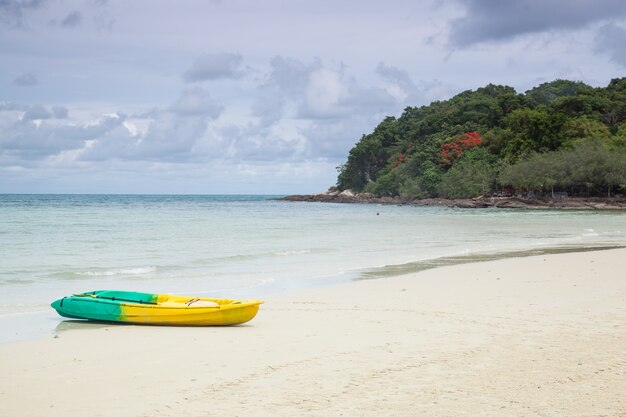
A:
559	137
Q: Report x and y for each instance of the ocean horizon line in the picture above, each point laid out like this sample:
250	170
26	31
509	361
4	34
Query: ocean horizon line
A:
157	194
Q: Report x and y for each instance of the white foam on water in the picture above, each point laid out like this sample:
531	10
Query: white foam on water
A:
114	272
589	233
292	252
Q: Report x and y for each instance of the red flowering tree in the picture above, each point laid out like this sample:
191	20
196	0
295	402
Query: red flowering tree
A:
453	150
399	160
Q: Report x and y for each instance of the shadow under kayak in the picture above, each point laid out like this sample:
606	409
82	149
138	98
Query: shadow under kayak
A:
158	309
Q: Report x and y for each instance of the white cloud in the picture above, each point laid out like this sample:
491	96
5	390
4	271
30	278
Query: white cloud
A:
324	95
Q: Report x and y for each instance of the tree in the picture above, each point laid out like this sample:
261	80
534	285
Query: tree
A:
368	157
583	127
472	175
532	130
453	150
357	172
548	92
537	173
386	185
590	164
528	135
422	182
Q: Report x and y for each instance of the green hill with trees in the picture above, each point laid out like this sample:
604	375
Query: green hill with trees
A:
561	136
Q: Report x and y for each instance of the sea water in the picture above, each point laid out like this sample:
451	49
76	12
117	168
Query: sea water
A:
245	246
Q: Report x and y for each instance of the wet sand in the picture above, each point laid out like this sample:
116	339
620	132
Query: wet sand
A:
535	336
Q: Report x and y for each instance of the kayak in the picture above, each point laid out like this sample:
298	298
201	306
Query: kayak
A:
160	309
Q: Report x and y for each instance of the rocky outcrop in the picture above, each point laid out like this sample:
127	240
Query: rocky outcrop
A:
572	203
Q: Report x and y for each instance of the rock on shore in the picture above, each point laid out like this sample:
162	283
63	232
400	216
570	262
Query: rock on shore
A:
573	203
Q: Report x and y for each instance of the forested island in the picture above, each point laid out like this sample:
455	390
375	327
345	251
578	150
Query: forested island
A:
559	139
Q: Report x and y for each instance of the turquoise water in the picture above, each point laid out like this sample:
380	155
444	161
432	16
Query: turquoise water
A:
244	246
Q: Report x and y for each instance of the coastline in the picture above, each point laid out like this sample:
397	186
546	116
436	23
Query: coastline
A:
569	203
44	322
517	336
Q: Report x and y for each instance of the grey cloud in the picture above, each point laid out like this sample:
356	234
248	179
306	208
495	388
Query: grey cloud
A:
103	18
317	92
59	112
98	16
333	139
26	79
72	20
36	112
284	86
409	93
332	109
270	109
114	144
367	100
252	143
170	138
12	106
35	132
28	140
396	76
179	133
39	112
176	134
611	39
196	102
331	94
215	66
289	75
496	20
12	12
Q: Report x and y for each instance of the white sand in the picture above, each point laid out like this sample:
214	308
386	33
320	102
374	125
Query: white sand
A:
540	336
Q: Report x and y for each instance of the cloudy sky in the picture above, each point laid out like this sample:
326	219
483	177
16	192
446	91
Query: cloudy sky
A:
258	96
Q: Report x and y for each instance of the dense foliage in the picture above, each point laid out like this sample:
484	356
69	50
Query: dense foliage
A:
561	136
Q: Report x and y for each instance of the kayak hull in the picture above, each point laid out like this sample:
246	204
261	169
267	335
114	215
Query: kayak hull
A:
156	309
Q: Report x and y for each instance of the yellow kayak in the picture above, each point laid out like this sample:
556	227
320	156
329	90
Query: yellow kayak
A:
160	309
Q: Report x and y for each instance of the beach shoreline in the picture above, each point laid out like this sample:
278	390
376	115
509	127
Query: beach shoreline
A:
503	202
44	321
540	335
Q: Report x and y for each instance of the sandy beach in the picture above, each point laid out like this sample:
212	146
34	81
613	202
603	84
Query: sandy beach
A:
536	336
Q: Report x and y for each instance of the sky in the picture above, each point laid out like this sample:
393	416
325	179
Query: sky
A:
258	96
